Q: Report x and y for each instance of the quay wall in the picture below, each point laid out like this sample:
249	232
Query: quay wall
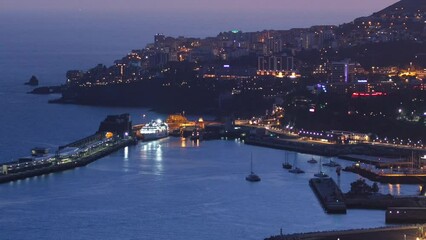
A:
388	233
65	166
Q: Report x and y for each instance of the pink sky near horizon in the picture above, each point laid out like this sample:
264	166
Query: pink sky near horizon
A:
226	6
186	17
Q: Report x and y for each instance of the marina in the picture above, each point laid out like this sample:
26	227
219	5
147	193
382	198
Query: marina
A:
137	184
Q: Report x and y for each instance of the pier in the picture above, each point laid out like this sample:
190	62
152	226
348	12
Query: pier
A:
111	136
406	215
393	177
329	195
378	162
352	152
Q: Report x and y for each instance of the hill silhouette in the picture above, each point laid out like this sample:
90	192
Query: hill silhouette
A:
407	6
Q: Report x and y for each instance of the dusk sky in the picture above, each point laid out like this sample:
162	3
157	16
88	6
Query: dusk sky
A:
125	24
359	7
205	17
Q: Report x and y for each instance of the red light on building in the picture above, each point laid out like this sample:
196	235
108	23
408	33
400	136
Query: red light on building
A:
362	94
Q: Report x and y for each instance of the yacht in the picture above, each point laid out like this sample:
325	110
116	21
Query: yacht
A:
331	164
320	174
286	164
312	160
296	170
252	177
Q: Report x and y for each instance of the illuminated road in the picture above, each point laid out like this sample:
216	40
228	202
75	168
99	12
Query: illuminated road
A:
271	129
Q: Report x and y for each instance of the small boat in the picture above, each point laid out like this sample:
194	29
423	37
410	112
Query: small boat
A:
286	164
331	164
296	170
252	177
312	160
320	175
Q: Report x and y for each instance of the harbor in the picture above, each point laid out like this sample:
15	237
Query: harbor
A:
138	183
111	140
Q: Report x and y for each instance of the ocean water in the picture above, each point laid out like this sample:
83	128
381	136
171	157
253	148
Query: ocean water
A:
157	190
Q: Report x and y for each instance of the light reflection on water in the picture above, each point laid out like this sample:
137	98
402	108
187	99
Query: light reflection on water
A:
395	189
126	153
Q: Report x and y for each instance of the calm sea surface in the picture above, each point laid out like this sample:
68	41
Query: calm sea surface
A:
167	189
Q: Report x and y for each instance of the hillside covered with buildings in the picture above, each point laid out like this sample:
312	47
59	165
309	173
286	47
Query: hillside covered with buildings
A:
359	75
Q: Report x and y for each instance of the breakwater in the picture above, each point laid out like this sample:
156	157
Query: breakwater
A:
329	150
378	162
388	233
63	164
383	201
113	134
394	178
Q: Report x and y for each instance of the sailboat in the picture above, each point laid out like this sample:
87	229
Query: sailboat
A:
320	174
295	169
252	177
312	160
286	164
331	164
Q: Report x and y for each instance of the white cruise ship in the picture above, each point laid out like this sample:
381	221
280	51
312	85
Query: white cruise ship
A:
154	130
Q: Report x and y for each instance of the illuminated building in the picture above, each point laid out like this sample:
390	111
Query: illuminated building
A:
159	40
342	71
74	76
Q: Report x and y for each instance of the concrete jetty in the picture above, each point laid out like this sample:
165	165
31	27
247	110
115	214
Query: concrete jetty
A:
329	195
378	162
113	134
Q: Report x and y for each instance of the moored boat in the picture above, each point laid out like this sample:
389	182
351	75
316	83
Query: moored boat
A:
252	177
331	164
312	160
296	170
286	164
154	130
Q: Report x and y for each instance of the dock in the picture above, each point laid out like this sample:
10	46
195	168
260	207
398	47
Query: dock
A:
406	215
111	136
407	177
329	195
378	162
351	151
